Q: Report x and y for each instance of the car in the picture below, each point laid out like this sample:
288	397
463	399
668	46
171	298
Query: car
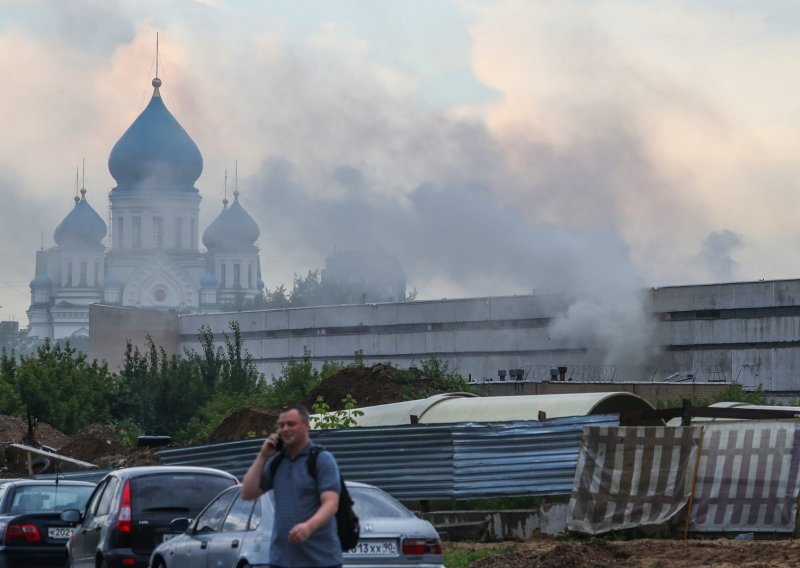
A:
234	532
31	530
130	510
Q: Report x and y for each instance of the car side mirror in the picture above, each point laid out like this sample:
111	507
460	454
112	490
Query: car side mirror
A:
70	515
179	525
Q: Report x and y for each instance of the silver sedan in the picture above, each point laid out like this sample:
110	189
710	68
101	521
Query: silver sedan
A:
233	533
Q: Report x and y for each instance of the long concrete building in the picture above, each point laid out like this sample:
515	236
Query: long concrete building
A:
747	332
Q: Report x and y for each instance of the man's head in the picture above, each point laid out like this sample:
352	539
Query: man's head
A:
294	427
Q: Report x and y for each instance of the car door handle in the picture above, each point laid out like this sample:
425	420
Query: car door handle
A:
203	545
235	544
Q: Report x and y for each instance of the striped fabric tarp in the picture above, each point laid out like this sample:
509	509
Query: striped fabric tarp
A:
747	478
630	477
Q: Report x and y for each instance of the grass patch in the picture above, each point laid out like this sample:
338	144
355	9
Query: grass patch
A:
460	558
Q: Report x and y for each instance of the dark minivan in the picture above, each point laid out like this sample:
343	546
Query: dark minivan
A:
130	510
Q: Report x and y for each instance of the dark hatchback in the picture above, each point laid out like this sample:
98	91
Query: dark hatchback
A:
129	513
32	532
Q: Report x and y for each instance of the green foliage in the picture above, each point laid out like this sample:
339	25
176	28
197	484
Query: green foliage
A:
296	380
210	415
10	401
344	418
330	368
461	558
733	392
57	385
127	431
358	359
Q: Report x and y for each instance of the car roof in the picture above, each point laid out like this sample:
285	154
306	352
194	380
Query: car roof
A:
140	471
45	482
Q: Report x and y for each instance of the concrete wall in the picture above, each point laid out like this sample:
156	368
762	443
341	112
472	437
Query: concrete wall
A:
748	332
111	327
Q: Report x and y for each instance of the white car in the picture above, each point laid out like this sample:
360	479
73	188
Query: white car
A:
233	532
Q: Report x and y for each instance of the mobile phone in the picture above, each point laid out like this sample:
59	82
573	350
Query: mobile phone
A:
279	444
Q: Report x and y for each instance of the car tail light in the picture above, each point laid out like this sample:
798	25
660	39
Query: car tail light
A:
20	532
124	517
128	561
417	546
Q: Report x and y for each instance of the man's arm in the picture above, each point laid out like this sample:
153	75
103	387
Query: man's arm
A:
251	482
330	504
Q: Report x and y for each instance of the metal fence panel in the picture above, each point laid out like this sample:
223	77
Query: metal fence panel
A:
431	461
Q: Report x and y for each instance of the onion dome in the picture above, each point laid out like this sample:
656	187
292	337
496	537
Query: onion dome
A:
82	225
233	228
209	280
41	281
155	148
111	280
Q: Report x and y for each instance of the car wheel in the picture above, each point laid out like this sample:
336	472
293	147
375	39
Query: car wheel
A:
160	564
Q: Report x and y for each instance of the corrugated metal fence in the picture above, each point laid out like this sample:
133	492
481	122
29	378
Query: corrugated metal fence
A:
432	461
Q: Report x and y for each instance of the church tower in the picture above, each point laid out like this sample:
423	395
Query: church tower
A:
154	258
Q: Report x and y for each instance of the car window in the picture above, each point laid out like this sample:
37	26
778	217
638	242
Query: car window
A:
104	507
210	520
49	498
238	515
185	493
91	507
370	502
255	518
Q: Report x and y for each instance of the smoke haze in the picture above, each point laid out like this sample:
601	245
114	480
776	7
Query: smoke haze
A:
490	150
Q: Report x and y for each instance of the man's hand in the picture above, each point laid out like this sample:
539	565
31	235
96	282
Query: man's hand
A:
299	533
270	446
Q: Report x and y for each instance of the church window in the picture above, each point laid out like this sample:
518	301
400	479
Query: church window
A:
137	232
69	274
178	233
96	274
250	276
83	274
119	233
193	233
237	269
222	276
158	232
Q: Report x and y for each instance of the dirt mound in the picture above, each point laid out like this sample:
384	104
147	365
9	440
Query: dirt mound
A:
92	442
13	430
369	386
246	423
637	553
99	445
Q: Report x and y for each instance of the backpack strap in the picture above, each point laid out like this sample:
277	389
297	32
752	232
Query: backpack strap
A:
312	460
276	461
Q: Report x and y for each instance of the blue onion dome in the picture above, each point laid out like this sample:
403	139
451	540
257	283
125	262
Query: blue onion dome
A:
41	281
82	225
155	149
233	227
111	280
209	280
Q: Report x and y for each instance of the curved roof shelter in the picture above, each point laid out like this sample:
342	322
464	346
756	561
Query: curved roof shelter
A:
465	407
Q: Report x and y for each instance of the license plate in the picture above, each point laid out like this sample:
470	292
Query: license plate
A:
59	532
169	536
374	547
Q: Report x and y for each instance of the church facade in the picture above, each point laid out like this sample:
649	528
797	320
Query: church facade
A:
152	257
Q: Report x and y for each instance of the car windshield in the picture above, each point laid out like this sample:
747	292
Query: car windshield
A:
372	503
185	493
49	498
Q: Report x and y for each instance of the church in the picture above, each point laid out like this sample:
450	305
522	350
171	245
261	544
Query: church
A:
152	257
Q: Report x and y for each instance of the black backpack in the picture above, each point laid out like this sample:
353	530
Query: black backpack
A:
346	519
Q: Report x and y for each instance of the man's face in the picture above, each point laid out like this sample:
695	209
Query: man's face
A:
294	431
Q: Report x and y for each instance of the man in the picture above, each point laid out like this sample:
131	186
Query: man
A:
304	534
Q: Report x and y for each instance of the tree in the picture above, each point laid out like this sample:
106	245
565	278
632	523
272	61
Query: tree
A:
59	386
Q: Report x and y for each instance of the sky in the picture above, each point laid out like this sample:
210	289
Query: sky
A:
494	147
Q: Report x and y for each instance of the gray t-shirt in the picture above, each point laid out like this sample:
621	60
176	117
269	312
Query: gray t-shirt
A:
297	498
